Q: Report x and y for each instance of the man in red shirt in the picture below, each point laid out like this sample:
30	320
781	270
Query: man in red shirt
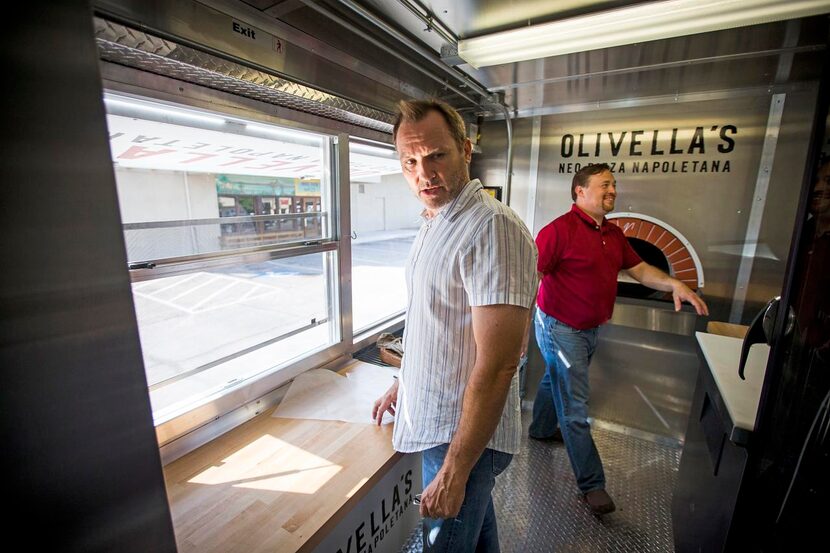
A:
580	254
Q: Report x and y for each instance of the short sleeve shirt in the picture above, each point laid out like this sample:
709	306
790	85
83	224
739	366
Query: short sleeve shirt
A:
579	261
474	252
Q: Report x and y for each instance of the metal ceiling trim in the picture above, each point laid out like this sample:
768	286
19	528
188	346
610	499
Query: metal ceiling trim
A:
131	47
653	100
391	51
429	56
429	19
789	51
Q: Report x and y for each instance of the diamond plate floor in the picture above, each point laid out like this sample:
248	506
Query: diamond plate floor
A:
539	508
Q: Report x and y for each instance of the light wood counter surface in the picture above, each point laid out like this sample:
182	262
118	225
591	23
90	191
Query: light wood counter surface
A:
727	329
274	484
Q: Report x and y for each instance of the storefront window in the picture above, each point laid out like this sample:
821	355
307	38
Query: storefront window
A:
385	219
228	228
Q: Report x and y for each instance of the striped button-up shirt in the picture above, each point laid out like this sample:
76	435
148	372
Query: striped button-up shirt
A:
474	252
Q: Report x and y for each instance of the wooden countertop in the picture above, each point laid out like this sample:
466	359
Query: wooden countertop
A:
274	484
727	329
741	397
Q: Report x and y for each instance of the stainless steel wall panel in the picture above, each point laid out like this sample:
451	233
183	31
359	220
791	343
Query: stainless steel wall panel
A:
390	43
654	316
533	179
489	166
782	76
676	98
776	230
322	42
643	379
80	460
711	209
757	204
643	372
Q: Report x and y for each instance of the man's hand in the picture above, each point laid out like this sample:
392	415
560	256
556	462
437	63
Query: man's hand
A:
498	331
386	402
443	497
680	292
655	278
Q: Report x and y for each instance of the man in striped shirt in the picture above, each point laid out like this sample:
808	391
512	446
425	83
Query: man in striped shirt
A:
471	282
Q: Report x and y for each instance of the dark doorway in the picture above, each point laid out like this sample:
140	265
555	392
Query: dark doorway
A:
652	255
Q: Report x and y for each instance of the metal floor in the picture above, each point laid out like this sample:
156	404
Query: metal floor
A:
641	389
539	508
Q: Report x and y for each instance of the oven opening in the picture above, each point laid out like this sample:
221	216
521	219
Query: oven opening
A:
652	255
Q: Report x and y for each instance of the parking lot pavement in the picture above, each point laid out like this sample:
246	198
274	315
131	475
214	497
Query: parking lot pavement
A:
190	322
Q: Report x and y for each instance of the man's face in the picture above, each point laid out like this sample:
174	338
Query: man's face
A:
432	162
597	198
820	197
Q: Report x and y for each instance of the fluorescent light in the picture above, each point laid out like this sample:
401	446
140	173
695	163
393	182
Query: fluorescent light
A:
630	25
372	150
285	134
133	106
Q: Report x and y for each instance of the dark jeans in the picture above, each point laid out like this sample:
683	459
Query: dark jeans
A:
474	529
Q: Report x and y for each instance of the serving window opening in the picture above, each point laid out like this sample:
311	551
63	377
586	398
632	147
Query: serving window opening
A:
229	227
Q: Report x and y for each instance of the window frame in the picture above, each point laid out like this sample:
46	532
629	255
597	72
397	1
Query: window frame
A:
185	433
244	401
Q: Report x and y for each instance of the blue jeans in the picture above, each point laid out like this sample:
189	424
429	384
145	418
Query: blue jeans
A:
474	529
563	396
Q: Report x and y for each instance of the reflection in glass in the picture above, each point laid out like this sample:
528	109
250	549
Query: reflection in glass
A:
385	220
190	185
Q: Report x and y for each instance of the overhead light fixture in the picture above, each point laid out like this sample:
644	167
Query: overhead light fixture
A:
372	150
630	25
130	107
283	134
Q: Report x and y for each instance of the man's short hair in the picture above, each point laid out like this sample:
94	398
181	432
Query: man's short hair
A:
582	176
413	111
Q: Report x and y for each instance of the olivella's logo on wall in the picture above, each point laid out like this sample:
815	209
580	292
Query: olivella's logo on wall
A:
702	149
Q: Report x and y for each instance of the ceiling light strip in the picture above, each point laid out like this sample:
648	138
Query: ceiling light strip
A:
630	25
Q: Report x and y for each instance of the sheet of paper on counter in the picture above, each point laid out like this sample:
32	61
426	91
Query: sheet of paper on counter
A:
326	395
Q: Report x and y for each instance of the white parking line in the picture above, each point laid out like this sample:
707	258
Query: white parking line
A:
163	302
177	282
213	295
255	291
197	287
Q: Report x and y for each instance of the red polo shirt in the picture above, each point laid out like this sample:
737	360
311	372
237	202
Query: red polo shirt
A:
579	261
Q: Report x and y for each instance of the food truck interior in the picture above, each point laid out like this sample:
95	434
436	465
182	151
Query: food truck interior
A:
206	210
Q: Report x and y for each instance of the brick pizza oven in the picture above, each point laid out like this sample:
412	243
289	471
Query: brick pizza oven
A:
681	258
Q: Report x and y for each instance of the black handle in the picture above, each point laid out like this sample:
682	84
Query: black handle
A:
759	332
144	265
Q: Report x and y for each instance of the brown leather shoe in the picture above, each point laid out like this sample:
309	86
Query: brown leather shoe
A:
600	502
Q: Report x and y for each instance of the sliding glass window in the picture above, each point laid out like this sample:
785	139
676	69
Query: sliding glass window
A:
385	218
228	226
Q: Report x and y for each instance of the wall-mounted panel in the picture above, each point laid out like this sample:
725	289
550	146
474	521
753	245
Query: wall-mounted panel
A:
693	165
80	462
